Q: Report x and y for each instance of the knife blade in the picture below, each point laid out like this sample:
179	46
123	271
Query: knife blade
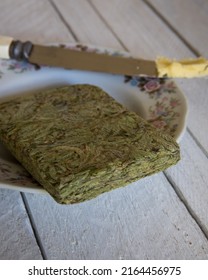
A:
57	56
74	59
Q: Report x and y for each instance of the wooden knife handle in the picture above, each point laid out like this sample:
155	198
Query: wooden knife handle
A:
14	49
5	43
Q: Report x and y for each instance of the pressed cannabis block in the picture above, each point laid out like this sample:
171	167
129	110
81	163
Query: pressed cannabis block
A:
78	142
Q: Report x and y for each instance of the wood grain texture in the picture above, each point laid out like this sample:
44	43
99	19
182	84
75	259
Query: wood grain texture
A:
189	18
32	19
83	19
140	30
190	179
145	220
17	239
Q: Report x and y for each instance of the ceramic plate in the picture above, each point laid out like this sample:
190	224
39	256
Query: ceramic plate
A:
157	100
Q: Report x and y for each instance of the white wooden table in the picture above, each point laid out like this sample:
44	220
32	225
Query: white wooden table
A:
164	216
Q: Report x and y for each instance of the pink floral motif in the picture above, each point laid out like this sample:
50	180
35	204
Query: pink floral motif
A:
164	113
164	99
160	124
160	110
174	102
152	85
169	86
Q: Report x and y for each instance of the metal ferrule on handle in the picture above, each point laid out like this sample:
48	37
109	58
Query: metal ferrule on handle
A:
13	49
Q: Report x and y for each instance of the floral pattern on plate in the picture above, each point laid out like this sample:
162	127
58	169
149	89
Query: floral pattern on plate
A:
15	66
164	113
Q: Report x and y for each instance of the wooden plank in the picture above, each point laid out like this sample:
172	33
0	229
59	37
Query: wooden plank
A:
33	19
189	19
83	19
140	30
190	179
145	220
17	239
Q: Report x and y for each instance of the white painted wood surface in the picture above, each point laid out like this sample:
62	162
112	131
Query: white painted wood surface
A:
160	217
17	240
142	221
188	18
33	19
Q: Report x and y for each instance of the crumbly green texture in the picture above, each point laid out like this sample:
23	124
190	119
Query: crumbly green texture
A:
78	142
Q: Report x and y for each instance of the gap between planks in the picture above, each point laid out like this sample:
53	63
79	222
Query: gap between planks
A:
186	204
33	226
197	142
174	30
107	25
61	17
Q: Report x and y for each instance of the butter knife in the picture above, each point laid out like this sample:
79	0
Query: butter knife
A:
58	56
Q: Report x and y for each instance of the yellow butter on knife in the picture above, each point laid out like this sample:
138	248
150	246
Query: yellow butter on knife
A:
185	68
